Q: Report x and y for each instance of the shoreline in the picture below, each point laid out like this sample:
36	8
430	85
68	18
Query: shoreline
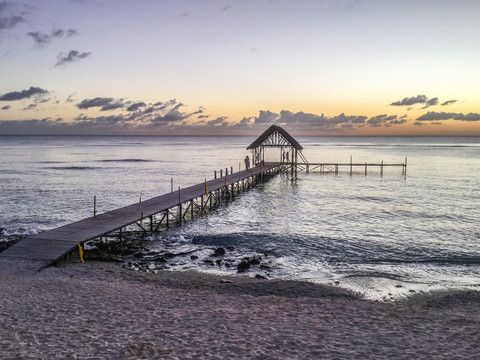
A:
99	310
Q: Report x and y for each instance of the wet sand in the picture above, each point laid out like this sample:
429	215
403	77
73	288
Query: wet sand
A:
99	310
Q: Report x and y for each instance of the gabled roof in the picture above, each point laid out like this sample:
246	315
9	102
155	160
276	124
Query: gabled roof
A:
275	136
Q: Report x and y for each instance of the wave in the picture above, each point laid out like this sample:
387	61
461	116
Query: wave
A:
72	167
380	146
125	160
454	260
6	232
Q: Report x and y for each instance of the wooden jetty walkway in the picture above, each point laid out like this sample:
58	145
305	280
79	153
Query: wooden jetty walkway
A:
33	253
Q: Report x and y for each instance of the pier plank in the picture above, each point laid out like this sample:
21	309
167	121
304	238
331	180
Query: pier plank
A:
38	251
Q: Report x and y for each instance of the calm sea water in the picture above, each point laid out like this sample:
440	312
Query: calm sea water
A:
378	235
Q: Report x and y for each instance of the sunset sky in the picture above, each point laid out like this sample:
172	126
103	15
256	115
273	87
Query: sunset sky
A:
332	67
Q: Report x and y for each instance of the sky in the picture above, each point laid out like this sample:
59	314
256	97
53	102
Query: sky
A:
226	67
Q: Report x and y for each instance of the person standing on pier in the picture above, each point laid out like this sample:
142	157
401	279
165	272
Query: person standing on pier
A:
247	162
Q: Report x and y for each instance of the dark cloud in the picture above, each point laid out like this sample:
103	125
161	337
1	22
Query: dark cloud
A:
217	121
42	39
419	99
72	56
431	102
39	38
266	117
314	122
103	103
70	98
113	105
436	116
136	106
320	122
384	120
24	94
97	102
30	107
449	102
32	126
419	123
6	107
9	21
173	115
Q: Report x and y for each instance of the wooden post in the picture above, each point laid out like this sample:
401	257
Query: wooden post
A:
191	209
121	240
171	184
151	223
179	207
336	169
350	165
215	173
365	168
381	169
405	167
94	205
296	161
291	163
231	169
221	173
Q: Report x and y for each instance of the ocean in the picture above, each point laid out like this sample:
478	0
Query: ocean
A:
384	236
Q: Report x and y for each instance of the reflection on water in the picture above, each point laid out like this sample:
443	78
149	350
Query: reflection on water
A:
363	231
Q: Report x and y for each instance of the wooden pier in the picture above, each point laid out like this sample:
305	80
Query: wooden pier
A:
291	151
336	168
33	253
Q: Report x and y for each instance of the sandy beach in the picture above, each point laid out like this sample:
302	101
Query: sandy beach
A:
99	310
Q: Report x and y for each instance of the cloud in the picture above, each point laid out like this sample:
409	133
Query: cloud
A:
30	107
72	56
136	106
431	102
226	8
266	117
113	105
449	102
419	99
42	39
217	121
320	122
6	107
172	115
384	120
24	94
101	102
315	122
436	116
9	20
70	98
